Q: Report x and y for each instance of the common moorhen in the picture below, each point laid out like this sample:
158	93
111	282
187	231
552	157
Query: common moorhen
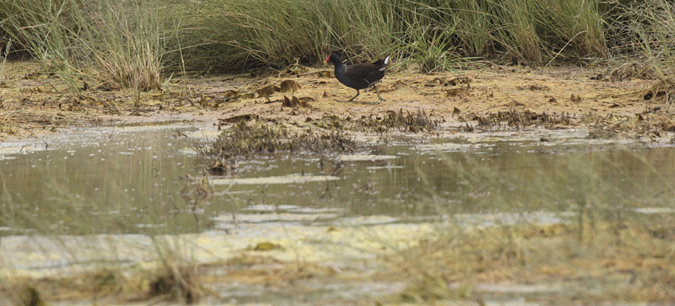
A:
359	76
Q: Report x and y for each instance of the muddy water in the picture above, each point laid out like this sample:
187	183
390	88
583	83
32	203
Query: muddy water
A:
99	181
117	196
133	180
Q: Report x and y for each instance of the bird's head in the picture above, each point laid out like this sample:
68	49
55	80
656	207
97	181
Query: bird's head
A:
333	57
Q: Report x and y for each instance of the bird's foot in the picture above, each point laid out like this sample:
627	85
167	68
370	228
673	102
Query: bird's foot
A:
374	103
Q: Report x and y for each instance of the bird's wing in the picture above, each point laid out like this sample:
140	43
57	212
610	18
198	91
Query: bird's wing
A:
367	72
375	76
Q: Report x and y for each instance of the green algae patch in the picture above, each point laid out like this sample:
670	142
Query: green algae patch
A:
266	246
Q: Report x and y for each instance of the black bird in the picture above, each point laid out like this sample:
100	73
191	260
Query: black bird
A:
359	76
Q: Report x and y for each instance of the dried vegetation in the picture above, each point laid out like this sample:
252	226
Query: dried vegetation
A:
626	263
260	139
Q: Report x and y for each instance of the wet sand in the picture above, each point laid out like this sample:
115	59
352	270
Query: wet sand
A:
33	103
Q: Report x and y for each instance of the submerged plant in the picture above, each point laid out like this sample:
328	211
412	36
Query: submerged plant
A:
244	140
413	122
518	119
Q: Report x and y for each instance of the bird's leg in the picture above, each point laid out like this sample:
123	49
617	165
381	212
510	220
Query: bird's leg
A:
379	98
354	97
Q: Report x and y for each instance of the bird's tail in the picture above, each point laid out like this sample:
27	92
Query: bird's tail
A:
384	63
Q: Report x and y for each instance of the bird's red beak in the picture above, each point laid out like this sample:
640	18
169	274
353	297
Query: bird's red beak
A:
328	59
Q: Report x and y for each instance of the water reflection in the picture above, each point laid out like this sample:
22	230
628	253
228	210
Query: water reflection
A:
131	181
101	184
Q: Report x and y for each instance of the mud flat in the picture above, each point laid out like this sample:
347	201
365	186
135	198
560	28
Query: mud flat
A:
495	97
496	186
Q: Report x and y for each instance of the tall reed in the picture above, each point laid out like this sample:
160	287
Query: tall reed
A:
116	42
264	32
657	39
129	43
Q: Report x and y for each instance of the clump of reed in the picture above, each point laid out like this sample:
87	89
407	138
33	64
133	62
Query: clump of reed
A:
20	292
413	122
111	43
657	40
259	139
177	282
175	278
519	119
132	43
429	33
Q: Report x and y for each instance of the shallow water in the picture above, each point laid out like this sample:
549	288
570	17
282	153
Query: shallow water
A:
115	196
132	181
